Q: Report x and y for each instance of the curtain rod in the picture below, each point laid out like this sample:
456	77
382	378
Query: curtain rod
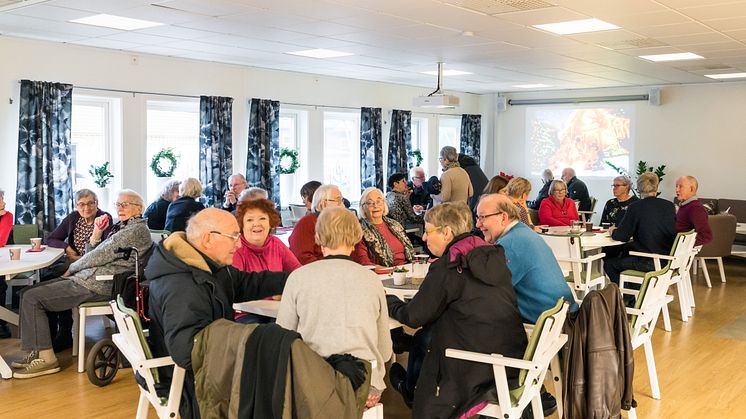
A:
357	109
133	92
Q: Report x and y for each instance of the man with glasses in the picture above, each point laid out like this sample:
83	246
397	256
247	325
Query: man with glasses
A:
302	240
193	284
236	184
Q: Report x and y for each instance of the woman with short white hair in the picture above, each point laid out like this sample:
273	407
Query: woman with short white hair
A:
301	240
384	242
616	207
187	205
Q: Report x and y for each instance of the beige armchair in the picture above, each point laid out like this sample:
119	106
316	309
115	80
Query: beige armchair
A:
723	233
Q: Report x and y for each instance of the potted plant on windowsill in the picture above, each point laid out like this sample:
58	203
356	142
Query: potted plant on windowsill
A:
101	176
163	164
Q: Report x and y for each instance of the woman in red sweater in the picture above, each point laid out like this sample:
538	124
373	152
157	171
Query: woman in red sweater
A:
302	240
384	241
557	209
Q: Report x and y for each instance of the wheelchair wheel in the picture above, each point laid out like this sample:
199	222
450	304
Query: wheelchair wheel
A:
102	362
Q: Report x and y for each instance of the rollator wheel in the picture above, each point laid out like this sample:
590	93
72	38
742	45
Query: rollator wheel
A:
102	362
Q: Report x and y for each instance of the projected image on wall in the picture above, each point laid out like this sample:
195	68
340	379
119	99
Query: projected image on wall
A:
580	138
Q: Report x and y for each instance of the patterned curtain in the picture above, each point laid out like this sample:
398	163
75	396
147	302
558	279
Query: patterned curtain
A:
400	142
215	146
371	148
263	156
44	192
471	131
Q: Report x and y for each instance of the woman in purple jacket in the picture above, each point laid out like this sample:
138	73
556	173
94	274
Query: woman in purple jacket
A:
72	235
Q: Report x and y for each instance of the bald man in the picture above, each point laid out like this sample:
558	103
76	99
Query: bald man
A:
236	184
192	284
691	213
576	189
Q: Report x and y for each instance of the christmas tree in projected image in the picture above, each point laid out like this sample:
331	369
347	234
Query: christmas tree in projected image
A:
544	142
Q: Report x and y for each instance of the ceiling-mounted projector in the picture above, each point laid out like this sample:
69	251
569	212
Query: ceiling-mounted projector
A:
437	99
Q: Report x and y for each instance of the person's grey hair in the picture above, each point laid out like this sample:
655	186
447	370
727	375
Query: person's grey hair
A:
547	175
83	193
518	186
239	176
253	192
570	171
625	180
134	198
502	205
190	187
449	153
337	227
169	188
455	215
693	181
413	171
322	193
647	183
555	184
363	211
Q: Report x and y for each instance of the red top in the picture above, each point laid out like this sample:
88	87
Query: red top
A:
302	240
274	256
694	216
553	214
6	226
360	254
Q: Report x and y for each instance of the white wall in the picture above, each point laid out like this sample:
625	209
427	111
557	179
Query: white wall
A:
93	67
698	130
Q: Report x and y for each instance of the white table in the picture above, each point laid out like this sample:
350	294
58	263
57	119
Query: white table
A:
30	261
741	228
597	241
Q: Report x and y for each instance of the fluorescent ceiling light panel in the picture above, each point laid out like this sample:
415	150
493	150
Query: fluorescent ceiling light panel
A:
320	53
577	26
116	22
726	76
532	86
447	73
680	56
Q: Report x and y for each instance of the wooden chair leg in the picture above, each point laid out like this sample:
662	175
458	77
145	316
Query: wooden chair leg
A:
81	340
683	300
554	366
652	373
722	270
666	318
704	271
632	414
142	406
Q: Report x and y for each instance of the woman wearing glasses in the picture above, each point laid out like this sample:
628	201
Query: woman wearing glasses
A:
301	240
558	209
616	207
384	242
187	205
79	284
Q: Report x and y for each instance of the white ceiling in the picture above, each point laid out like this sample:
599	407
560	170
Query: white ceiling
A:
394	40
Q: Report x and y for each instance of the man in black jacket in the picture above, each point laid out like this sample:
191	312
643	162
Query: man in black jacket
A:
192	284
576	189
476	176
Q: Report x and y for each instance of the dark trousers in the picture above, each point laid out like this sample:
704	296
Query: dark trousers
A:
420	343
614	266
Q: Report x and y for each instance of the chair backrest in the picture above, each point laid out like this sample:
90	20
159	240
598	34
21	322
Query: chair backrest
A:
723	228
682	249
158	235
298	211
130	327
23	233
565	246
593	203
534	216
650	301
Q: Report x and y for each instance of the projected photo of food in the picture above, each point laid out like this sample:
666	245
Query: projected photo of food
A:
580	138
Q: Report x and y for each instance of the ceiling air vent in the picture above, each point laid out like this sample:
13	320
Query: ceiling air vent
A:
493	7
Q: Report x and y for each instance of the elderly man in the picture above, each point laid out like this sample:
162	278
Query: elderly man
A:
537	278
576	189
418	196
236	184
455	183
691	213
651	222
192	284
546	180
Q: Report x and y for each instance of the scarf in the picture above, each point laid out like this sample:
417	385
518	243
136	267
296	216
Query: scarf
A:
377	245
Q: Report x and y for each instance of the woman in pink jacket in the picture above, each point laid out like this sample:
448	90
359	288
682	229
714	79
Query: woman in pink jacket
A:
558	209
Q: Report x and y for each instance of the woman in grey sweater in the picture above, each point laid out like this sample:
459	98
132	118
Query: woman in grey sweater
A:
79	284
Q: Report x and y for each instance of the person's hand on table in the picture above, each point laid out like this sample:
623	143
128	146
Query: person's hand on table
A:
71	254
611	230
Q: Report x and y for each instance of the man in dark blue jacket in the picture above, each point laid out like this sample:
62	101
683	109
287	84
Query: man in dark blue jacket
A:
576	189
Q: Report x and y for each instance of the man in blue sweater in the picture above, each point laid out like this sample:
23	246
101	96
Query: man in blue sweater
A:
537	278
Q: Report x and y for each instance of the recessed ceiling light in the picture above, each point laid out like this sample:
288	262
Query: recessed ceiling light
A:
726	76
446	73
320	53
116	22
679	56
577	26
531	86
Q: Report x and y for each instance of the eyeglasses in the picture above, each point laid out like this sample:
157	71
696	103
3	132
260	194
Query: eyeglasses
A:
125	205
432	230
481	218
91	204
441	158
377	203
419	177
233	237
337	200
617	186
560	190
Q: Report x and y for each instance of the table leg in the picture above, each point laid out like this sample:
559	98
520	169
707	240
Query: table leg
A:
8	316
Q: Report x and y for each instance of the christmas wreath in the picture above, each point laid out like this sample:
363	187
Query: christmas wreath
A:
288	161
164	163
417	154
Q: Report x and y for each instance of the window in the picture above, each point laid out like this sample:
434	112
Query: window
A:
342	152
293	133
174	125
449	132
420	138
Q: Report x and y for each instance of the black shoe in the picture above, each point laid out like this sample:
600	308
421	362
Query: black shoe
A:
62	341
398	378
4	331
548	403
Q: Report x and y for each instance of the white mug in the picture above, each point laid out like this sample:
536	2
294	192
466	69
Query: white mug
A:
36	243
15	253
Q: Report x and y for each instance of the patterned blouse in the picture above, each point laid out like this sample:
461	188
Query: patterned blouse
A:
614	210
523	215
82	234
400	209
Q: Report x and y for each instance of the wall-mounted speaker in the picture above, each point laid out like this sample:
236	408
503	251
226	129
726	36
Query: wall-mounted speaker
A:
502	104
654	96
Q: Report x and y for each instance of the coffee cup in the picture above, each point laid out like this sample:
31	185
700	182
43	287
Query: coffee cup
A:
36	243
15	253
544	228
400	278
605	226
575	227
588	226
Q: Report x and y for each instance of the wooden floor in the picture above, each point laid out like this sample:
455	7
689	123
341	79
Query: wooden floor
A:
701	367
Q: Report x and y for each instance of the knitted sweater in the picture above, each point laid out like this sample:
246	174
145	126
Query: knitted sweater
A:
302	241
651	223
274	256
693	215
455	186
339	307
553	214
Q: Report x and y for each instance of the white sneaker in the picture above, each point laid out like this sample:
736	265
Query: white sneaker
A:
23	362
36	368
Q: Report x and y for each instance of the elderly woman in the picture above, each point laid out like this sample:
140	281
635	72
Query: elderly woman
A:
307	191
518	189
155	214
338	306
616	207
558	209
466	295
301	240
6	226
497	184
384	240
400	208
261	251
187	205
455	183
79	284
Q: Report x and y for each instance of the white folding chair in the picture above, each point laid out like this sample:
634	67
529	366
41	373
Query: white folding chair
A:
375	412
581	273
84	311
132	344
545	342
